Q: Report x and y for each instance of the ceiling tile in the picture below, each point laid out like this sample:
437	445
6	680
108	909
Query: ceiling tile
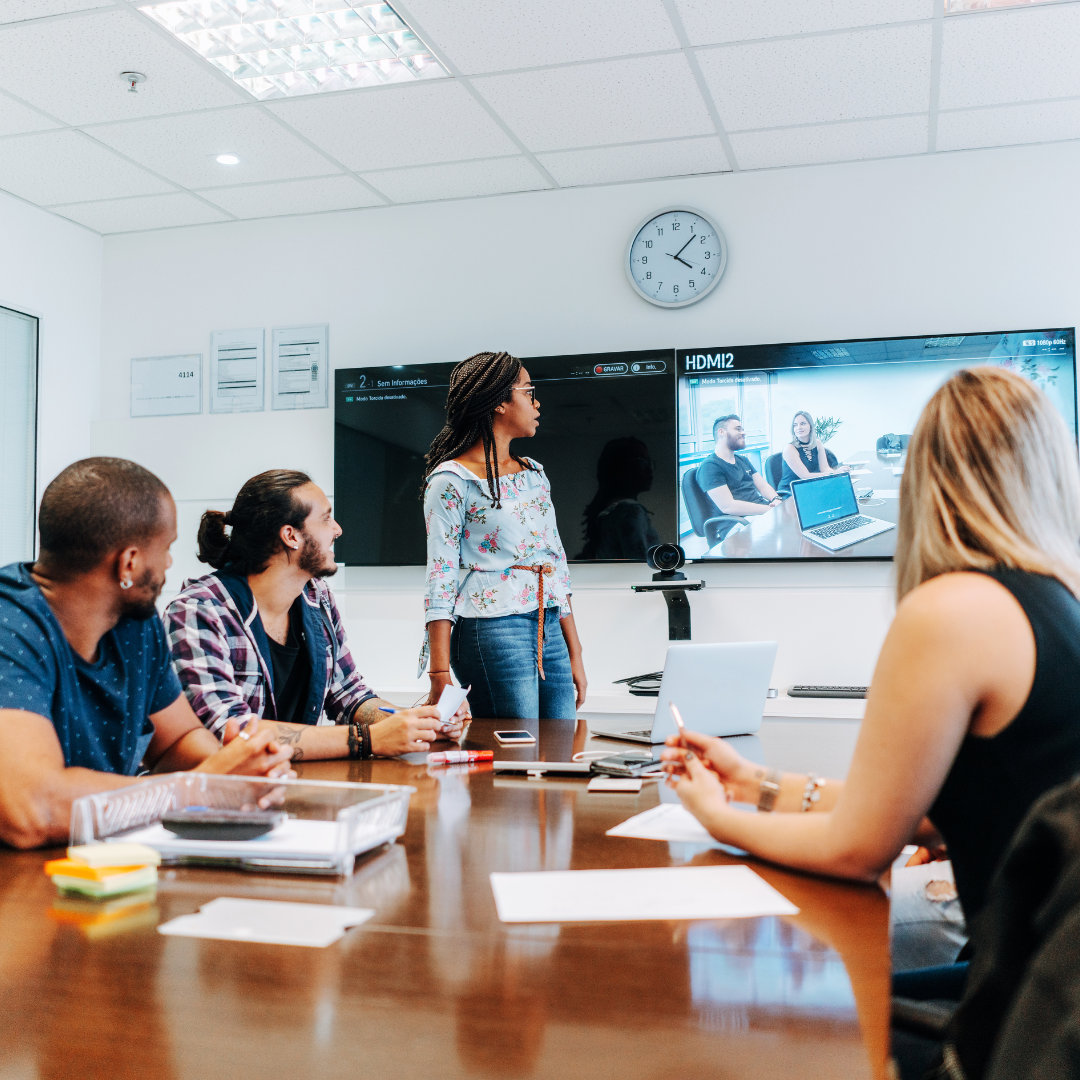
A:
1009	125
642	161
12	11
71	69
819	143
16	118
397	126
614	101
1006	56
809	80
294	197
67	166
497	35
460	179
183	148
144	212
710	22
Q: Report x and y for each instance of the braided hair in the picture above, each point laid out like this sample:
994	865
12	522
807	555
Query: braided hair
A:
477	386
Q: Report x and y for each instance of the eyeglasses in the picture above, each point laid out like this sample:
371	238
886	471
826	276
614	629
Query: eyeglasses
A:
530	390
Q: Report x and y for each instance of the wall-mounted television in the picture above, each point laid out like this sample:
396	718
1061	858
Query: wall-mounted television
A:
864	397
606	441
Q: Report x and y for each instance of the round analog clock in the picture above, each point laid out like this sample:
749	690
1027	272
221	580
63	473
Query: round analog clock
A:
675	257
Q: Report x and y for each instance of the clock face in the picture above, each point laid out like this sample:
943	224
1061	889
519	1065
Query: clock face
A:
676	257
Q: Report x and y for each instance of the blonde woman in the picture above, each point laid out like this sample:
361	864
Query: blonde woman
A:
970	715
805	455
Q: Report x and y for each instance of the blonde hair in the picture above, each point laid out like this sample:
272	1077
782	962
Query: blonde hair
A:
814	440
991	479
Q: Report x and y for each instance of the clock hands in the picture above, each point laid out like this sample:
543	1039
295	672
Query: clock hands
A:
681	250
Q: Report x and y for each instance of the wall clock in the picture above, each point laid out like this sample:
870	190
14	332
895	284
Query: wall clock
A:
675	257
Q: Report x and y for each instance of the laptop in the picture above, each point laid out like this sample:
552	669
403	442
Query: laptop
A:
719	689
829	512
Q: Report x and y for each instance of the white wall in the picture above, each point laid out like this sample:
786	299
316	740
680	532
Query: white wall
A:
51	269
957	242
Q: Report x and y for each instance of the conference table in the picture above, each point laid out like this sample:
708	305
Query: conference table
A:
777	534
434	985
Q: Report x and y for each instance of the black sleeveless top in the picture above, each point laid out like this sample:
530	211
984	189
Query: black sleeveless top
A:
994	781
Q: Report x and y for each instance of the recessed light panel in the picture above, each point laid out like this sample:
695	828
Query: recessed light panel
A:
286	48
959	7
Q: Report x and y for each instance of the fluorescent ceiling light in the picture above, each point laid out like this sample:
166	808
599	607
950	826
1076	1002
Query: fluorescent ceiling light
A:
227	159
960	7
284	48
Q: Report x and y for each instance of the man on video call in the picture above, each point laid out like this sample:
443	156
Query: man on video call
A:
729	479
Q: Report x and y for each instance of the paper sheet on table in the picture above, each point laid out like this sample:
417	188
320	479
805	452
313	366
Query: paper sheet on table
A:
271	922
669	821
860	471
888	493
450	701
681	892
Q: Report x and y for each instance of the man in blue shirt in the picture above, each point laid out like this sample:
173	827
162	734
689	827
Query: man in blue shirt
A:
87	693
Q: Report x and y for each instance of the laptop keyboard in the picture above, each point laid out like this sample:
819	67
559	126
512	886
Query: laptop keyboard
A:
838	527
643	733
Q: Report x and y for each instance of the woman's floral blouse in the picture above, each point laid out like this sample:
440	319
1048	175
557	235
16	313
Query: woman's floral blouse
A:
465	533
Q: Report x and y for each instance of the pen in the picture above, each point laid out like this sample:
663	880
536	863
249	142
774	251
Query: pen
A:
457	757
677	717
383	708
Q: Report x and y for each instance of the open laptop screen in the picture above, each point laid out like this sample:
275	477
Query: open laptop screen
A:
822	499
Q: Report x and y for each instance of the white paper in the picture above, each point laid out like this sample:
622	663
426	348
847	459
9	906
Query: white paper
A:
166	385
295	838
682	892
298	362
888	493
272	922
450	701
667	821
236	371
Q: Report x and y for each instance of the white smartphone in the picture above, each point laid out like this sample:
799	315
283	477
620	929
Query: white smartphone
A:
514	738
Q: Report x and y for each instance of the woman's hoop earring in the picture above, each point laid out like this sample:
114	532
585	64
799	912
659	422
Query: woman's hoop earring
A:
126	584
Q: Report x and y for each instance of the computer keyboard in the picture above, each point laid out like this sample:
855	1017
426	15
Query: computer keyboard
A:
844	526
827	691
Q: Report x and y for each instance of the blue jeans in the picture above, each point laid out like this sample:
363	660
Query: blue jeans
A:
497	656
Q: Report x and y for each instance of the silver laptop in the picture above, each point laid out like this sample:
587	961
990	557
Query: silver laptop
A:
829	512
720	689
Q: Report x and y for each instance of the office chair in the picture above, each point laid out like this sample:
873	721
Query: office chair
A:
1017	1016
706	518
892	444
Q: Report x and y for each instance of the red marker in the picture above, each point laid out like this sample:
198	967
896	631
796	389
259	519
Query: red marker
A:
459	757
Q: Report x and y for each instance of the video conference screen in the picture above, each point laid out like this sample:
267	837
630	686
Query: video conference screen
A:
862	399
630	443
605	441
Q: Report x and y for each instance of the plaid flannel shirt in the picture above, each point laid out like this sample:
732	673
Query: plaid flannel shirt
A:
216	655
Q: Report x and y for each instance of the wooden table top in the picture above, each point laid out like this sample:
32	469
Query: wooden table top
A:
434	985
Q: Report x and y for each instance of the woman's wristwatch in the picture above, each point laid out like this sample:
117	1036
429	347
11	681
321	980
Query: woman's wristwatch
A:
768	791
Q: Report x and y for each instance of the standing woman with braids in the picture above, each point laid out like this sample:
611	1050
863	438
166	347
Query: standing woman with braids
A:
505	627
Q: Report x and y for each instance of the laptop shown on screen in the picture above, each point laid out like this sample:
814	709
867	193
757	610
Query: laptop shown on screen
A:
829	512
719	688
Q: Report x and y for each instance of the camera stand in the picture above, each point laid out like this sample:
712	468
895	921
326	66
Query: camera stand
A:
674	586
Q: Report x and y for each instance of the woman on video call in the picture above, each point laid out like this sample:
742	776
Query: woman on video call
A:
969	716
506	627
805	455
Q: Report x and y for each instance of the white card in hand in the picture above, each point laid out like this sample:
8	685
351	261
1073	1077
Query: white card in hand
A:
450	701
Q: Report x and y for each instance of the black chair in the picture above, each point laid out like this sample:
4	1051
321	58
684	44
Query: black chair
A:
892	444
705	516
1017	1016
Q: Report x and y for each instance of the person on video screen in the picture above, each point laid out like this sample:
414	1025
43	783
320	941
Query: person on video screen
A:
805	455
729	479
617	525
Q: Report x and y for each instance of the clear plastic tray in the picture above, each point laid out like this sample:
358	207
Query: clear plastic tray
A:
329	823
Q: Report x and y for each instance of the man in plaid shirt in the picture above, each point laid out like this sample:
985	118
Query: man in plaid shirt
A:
262	635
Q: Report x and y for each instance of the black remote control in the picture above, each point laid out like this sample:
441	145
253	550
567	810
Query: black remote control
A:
827	691
204	823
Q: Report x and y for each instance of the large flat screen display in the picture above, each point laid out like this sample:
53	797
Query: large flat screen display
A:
606	441
862	398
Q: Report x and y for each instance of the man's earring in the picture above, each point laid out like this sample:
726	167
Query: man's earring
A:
126	584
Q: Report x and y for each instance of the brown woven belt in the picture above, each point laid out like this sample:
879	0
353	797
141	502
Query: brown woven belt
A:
541	571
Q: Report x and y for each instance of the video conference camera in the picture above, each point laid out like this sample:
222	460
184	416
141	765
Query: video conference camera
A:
667	559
